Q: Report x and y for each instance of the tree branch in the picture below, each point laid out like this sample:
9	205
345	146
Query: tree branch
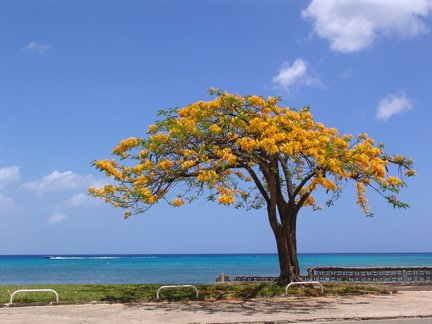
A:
287	175
258	183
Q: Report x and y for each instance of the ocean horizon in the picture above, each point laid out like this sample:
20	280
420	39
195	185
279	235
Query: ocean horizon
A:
177	268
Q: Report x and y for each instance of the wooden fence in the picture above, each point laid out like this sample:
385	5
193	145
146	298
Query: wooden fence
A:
363	274
371	274
255	278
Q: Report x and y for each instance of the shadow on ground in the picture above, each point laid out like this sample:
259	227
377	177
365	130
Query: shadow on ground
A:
296	305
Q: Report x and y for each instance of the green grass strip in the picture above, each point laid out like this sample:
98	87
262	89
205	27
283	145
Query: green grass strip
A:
124	293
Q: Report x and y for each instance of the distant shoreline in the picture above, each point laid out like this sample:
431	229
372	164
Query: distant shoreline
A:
208	254
179	268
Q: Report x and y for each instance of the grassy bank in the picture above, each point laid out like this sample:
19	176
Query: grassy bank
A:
124	293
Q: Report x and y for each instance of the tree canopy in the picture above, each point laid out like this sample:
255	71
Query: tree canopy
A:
248	152
245	151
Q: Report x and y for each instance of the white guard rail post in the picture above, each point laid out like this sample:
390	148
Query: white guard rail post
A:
33	290
305	283
176	286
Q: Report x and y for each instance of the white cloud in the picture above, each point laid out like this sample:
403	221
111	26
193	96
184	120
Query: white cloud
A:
353	25
35	46
56	218
6	205
81	199
9	175
59	181
348	74
393	104
295	75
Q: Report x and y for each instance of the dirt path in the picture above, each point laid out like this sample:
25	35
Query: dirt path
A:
262	310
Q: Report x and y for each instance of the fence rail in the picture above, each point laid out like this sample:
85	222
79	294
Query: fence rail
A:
255	278
350	274
371	274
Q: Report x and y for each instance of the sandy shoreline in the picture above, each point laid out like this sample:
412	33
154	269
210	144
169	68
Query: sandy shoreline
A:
406	303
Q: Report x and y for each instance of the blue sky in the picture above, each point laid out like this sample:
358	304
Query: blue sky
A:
76	77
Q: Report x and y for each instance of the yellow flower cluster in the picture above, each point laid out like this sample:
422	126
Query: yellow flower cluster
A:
226	199
146	195
207	142
165	164
326	183
183	125
110	168
361	199
256	101
159	138
226	195
367	158
209	176
152	129
187	164
410	173
248	144
126	145
257	125
309	202
269	145
138	169
178	202
393	181
215	129
226	155
141	181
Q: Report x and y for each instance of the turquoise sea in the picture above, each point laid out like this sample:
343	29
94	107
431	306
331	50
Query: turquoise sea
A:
175	269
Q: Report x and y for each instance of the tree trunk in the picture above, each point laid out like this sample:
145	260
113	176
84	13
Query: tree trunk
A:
287	252
284	226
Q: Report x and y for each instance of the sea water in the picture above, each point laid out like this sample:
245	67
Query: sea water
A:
176	269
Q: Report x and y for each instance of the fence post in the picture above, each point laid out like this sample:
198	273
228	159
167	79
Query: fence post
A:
404	276
310	273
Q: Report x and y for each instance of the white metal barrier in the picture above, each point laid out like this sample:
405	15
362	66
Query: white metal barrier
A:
305	283
33	290
176	286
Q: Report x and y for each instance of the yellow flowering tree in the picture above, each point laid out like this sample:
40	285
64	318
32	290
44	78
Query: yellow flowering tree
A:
246	151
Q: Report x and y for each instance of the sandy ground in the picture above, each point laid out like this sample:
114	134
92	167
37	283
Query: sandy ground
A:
262	310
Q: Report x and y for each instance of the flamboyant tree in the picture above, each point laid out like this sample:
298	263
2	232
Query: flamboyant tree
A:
246	151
